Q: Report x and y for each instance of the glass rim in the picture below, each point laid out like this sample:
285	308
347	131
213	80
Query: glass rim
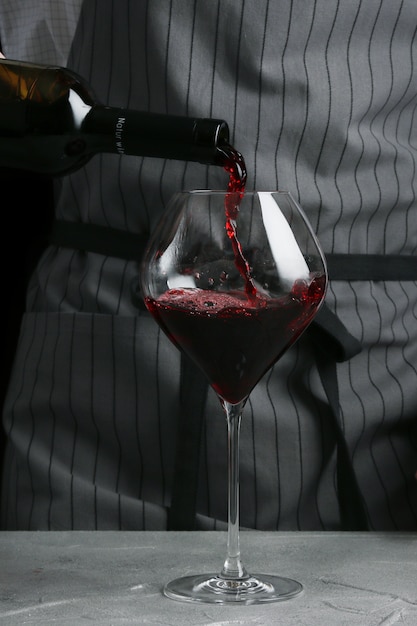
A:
248	192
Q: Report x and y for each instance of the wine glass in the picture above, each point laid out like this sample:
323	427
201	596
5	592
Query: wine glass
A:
233	279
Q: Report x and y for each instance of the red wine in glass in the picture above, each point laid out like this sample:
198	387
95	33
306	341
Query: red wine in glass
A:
216	330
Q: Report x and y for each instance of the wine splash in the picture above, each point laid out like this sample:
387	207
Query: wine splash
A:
216	329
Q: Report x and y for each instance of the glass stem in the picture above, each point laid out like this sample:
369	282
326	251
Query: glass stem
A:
233	568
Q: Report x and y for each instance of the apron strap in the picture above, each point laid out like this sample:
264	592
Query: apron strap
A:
351	505
193	394
334	344
99	239
130	246
384	267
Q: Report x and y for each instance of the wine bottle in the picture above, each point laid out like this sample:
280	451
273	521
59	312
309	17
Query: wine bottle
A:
51	123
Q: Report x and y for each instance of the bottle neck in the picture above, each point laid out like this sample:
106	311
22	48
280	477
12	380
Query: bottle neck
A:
138	133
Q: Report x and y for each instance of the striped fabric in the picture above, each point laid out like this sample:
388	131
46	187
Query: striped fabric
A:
321	99
40	32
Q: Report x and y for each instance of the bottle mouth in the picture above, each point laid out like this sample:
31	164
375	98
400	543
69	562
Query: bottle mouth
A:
210	132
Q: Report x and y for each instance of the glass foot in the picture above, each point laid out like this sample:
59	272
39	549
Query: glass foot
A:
211	588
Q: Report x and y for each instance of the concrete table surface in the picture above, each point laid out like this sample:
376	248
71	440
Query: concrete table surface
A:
116	578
